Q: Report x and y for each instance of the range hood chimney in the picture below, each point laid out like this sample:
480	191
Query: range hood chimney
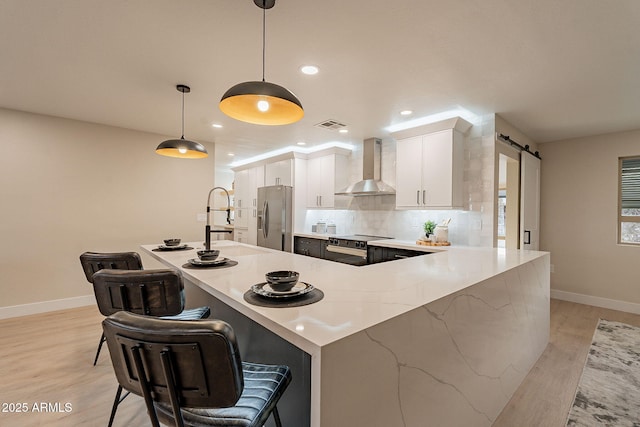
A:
371	185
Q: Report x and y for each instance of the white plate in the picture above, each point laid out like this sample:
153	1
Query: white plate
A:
265	290
199	262
171	248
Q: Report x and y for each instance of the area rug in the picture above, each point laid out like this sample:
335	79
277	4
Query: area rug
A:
608	393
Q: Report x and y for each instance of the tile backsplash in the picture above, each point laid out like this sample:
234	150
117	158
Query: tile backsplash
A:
377	215
464	228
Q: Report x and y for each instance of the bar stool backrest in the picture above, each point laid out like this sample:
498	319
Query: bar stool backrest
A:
148	292
92	262
194	364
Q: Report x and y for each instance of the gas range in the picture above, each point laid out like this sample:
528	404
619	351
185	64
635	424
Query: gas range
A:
350	249
354	240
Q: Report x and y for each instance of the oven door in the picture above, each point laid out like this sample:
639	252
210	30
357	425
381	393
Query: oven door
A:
350	256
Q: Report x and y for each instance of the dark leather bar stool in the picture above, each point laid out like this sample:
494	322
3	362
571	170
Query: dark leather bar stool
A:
92	262
191	373
158	293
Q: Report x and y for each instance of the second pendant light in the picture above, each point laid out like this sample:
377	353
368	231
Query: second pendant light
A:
261	102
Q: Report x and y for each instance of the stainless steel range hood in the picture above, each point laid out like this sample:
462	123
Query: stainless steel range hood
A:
371	184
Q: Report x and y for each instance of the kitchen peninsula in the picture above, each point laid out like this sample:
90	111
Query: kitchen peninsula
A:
440	339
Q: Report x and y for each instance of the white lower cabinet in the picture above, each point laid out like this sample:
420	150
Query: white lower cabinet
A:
241	217
241	235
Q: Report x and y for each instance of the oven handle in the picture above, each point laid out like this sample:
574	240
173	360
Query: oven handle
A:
348	251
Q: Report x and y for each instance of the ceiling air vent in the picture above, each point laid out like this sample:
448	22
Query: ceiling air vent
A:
331	125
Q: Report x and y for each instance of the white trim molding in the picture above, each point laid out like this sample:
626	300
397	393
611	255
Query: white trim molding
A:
45	306
628	307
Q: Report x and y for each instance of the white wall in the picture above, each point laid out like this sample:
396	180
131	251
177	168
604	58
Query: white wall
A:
67	187
579	198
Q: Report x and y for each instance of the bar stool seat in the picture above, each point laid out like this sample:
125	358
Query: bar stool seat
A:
262	385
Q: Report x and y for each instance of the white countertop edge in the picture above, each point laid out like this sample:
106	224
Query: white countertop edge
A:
319	236
388	243
407	244
377	292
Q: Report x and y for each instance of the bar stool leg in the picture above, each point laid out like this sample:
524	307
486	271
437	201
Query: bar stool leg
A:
102	340
276	417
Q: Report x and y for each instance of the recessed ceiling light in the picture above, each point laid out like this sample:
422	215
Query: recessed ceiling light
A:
309	69
302	143
406	112
230	154
344	131
216	125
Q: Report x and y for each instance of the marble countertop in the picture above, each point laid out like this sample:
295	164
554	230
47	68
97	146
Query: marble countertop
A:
356	298
389	243
320	236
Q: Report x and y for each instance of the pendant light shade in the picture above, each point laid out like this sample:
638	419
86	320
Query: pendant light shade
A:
261	102
182	148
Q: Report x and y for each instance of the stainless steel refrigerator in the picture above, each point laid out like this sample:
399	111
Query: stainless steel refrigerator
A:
275	218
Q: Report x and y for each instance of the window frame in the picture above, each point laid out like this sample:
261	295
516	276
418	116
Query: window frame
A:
624	218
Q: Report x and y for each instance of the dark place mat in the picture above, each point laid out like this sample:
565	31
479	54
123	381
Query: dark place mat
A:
306	299
190	266
172	250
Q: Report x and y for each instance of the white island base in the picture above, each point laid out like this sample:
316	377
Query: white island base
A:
454	360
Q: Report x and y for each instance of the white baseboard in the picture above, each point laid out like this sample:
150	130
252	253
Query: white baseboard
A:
628	307
45	306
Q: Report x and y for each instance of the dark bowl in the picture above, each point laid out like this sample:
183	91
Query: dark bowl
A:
282	281
171	242
208	255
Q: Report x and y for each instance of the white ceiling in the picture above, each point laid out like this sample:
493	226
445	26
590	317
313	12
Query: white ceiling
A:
554	69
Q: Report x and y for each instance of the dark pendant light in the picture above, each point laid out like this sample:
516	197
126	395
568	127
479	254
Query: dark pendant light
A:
182	148
261	102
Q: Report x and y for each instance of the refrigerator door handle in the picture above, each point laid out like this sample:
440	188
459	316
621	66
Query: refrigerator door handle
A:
265	228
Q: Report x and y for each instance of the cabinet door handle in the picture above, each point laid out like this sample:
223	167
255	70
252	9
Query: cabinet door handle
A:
418	197
320	200
424	197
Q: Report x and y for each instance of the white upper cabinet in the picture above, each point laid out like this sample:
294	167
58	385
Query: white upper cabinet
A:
429	170
241	188
246	186
279	173
326	175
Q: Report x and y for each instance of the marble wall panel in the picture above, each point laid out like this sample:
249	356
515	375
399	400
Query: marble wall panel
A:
453	362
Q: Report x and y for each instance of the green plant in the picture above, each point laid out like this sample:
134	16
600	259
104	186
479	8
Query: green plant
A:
429	226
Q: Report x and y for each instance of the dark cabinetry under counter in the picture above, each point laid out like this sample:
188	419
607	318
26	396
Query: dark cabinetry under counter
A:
309	246
376	254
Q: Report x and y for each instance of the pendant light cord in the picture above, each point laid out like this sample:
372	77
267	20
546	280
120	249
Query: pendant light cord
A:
264	19
182	137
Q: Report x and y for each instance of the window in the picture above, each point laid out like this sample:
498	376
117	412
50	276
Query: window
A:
629	200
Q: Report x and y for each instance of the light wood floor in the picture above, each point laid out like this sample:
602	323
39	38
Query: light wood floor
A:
48	358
